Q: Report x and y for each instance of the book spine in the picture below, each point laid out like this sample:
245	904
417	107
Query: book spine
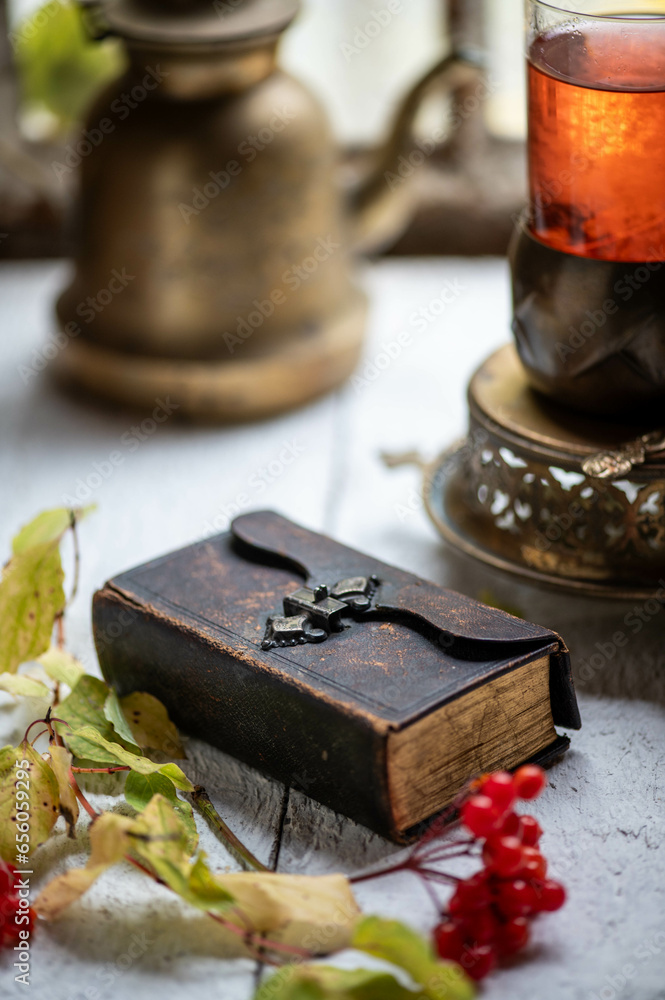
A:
260	715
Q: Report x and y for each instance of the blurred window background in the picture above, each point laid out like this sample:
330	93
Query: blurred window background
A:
358	56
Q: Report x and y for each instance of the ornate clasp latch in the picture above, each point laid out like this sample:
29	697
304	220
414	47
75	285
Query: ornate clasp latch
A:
622	460
312	614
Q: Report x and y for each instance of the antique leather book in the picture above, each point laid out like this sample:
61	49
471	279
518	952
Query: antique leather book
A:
375	692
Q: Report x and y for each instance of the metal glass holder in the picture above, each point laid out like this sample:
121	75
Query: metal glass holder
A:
551	495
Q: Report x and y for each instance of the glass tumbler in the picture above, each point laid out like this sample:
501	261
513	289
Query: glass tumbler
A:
587	258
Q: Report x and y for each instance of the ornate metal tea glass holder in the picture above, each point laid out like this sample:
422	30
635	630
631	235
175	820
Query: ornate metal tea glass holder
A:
552	495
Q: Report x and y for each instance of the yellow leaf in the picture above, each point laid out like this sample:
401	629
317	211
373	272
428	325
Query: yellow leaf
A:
61	761
29	801
150	724
62	666
315	912
19	684
31	596
109	843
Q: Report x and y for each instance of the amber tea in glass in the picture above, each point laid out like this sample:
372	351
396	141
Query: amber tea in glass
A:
596	91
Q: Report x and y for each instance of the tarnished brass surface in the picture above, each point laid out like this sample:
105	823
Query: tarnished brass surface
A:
217	390
215	246
514	493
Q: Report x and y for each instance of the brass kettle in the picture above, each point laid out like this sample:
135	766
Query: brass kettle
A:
215	247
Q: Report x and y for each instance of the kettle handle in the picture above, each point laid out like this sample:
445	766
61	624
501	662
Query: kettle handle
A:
382	203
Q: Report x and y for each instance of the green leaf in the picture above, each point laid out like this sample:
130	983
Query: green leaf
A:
159	838
113	713
87	742
47	527
34	779
150	724
322	982
394	942
62	667
109	842
60	67
19	684
31	596
84	706
139	790
61	762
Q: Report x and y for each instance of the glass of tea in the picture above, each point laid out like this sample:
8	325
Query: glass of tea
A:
596	88
587	263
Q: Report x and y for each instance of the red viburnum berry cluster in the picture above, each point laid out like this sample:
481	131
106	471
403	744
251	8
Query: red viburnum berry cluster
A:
9	908
488	914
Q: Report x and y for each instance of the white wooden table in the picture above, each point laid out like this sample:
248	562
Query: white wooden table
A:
604	812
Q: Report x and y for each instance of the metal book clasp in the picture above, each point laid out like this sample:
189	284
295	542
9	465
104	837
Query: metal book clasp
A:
312	614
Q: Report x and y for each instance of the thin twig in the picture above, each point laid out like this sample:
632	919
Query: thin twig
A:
242	854
77	557
91	811
101	770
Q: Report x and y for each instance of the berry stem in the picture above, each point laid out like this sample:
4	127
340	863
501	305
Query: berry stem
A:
101	770
262	942
91	811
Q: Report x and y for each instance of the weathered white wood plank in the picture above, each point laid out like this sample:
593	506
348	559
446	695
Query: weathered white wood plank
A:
604	813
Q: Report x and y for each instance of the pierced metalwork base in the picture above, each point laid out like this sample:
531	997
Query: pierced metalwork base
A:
563	499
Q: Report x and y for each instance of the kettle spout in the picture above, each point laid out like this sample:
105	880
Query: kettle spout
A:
382	203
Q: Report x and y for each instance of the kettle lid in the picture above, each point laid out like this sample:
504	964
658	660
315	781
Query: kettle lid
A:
196	22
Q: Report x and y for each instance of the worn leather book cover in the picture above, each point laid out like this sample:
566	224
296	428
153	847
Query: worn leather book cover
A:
374	691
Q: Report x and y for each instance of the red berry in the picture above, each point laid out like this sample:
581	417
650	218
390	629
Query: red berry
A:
530	830
448	940
551	896
510	825
500	788
504	855
479	927
478	962
516	898
471	894
529	781
480	815
534	865
9	929
512	936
